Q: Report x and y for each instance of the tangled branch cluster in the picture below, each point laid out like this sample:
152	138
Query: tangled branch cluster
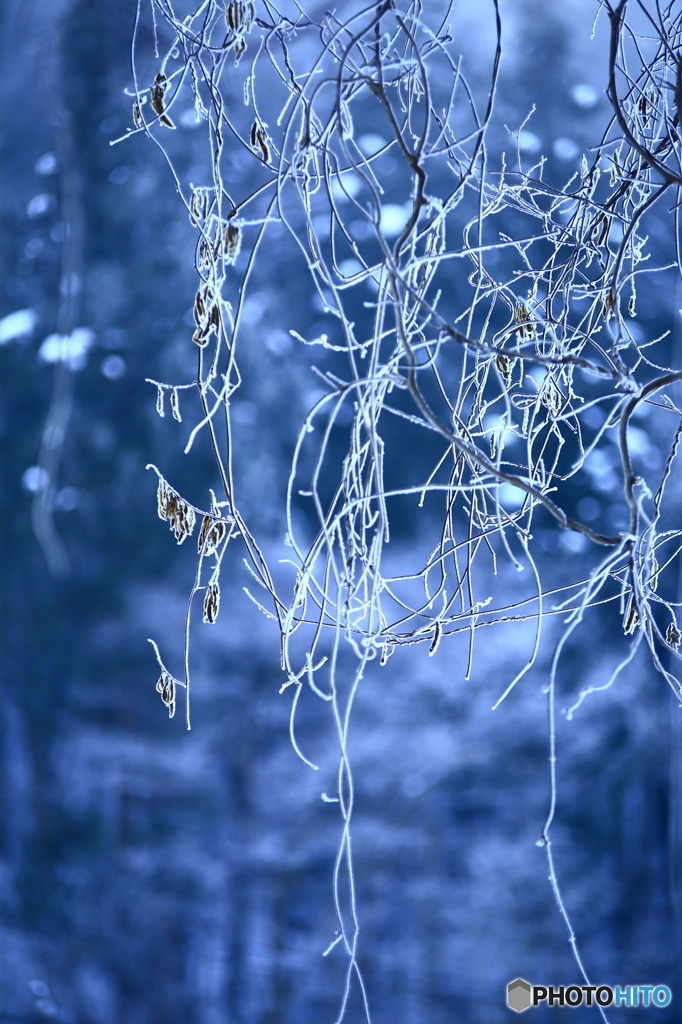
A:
504	371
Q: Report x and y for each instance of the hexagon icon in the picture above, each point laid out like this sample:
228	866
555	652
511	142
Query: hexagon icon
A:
518	995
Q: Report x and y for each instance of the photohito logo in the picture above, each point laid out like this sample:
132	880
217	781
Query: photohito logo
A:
521	995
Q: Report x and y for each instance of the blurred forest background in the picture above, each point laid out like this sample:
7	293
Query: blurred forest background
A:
152	875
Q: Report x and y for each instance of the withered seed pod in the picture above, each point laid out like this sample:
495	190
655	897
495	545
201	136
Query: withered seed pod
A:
171	507
211	603
162	499
198	205
523	318
631	619
200	307
437	631
205	523
551	395
182	519
673	635
156	93
215	536
166	687
204	256
259	142
211	534
214	317
231	241
503	365
239	15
